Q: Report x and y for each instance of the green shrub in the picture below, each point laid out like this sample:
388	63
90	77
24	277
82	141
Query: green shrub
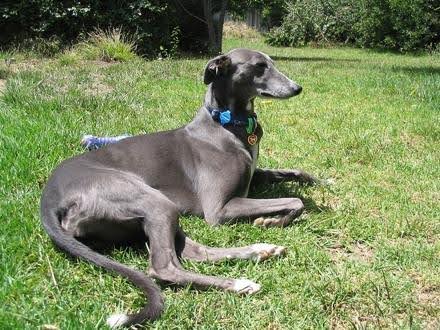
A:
402	25
68	57
317	21
398	24
68	21
110	45
272	12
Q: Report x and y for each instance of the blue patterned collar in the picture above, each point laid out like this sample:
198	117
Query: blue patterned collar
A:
226	118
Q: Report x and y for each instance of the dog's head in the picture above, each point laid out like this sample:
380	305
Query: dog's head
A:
250	73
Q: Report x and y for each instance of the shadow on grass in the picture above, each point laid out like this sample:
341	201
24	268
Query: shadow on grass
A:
283	190
186	56
136	245
312	59
378	50
423	70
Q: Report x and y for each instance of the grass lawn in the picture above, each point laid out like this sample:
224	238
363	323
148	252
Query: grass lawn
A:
367	255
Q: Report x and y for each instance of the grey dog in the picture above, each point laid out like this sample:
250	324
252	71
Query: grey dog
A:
143	183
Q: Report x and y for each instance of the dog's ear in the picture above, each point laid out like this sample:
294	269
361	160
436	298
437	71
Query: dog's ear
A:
216	67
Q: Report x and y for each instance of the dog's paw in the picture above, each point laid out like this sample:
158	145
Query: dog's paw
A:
244	286
117	320
262	251
327	182
276	221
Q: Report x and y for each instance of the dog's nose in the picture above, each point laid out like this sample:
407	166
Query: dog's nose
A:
297	89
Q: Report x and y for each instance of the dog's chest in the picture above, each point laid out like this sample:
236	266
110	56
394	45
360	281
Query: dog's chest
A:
254	155
254	149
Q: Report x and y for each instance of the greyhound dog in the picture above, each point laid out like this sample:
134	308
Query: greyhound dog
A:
142	184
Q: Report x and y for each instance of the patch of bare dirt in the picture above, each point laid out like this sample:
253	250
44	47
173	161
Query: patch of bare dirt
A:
428	299
17	66
412	140
358	252
427	292
2	85
427	295
96	86
101	63
432	324
364	321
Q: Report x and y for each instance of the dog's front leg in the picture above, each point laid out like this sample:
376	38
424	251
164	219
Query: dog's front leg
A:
267	176
277	212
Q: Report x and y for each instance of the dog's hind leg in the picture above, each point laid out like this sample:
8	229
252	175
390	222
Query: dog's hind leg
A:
115	201
268	176
161	225
189	249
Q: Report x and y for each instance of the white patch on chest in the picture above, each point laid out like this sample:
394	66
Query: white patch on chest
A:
254	158
254	155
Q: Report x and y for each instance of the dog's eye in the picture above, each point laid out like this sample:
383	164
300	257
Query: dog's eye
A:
262	65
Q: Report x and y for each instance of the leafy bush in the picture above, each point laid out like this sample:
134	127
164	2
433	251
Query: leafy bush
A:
393	24
151	20
272	11
399	24
314	20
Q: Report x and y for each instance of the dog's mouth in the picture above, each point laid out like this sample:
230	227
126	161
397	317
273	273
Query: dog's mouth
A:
265	94
272	96
281	94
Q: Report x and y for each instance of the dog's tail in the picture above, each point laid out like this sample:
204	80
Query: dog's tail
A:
69	244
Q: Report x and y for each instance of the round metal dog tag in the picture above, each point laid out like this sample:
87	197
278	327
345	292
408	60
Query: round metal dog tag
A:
252	139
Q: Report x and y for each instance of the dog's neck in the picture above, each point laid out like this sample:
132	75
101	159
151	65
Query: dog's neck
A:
219	96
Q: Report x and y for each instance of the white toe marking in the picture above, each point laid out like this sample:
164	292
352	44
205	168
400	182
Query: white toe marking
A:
329	182
245	286
263	251
277	221
117	320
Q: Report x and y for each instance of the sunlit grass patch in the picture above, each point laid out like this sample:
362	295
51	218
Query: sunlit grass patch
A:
233	29
367	254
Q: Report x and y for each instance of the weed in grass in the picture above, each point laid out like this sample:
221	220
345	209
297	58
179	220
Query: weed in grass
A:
69	58
110	45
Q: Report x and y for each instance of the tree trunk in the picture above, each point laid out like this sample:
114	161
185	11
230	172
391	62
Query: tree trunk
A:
201	24
214	12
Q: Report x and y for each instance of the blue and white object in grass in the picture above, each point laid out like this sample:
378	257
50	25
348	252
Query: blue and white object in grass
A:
91	142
